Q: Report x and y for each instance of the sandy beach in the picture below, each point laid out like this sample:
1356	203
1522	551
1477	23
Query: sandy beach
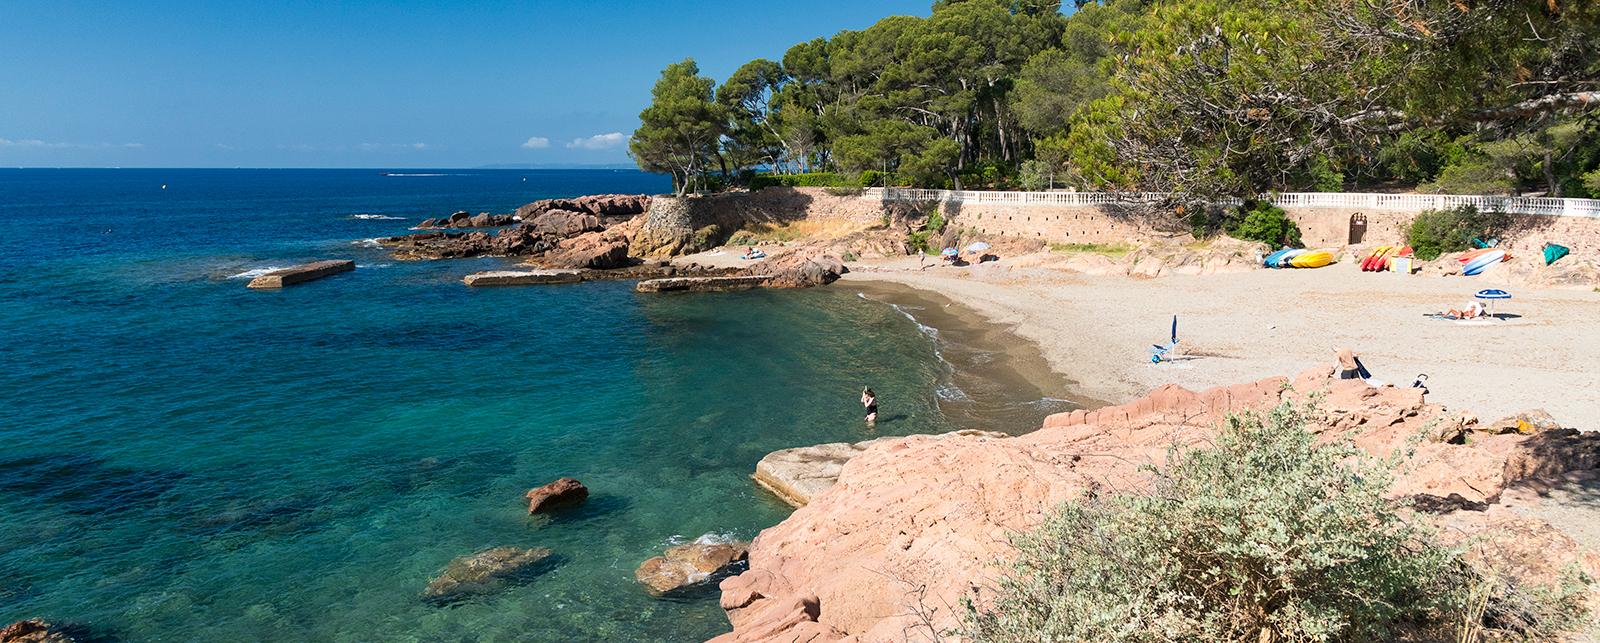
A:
1097	330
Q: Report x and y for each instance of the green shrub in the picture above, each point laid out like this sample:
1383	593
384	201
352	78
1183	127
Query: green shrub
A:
1266	223
919	239
1435	232
1591	182
1034	175
807	180
1266	535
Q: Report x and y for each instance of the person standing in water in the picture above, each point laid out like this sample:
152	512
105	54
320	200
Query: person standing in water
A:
869	400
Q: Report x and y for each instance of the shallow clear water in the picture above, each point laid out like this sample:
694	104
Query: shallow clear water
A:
184	459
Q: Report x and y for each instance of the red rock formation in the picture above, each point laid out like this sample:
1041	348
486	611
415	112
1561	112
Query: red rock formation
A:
33	631
915	525
562	493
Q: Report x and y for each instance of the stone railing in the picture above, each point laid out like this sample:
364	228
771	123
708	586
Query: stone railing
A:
1396	202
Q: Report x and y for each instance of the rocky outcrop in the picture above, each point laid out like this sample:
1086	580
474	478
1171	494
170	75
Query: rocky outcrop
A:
301	274
463	219
563	493
690	564
600	205
913	525
797	475
800	270
537	228
484	572
34	630
594	251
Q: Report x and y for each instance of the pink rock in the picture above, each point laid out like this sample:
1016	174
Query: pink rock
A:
562	493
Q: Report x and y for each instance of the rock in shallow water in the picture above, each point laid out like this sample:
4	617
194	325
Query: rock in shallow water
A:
33	630
484	572
562	493
691	564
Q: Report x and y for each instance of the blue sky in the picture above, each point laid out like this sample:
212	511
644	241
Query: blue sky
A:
158	83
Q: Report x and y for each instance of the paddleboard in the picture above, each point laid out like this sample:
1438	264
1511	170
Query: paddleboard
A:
1482	262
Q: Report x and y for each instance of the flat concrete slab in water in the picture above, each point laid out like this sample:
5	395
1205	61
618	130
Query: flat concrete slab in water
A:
302	273
522	277
702	284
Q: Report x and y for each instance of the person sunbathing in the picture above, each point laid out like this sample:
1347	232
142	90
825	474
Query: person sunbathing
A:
1470	311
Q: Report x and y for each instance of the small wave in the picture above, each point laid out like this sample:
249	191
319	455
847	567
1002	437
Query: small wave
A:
423	174
376	217
369	266
367	243
255	272
950	392
1049	403
704	539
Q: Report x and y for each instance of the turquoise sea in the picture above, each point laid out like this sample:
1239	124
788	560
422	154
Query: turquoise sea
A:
182	459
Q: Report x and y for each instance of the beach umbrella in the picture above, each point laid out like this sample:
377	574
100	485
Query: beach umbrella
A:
950	252
1491	294
978	247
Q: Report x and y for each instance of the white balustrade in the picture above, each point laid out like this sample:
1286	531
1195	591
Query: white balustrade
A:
1357	201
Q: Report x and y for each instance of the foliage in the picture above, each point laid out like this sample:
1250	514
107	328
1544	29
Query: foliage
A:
1266	535
679	132
805	180
1035	175
925	237
1264	222
1591	181
1206	98
1435	232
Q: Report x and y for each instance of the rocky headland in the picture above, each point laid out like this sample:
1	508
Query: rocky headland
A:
914	526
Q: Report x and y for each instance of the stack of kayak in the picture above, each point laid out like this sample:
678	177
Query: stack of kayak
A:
1298	258
1474	262
1384	258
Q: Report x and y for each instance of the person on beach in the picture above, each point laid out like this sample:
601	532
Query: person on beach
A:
1349	368
869	400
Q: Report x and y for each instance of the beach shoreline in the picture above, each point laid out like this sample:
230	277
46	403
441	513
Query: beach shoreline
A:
1096	330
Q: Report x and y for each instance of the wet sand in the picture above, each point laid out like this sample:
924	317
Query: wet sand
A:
998	380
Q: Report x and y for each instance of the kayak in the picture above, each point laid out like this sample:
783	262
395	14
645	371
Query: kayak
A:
1482	262
1316	259
1272	260
1287	259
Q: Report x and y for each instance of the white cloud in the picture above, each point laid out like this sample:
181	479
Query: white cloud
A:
38	144
598	141
536	143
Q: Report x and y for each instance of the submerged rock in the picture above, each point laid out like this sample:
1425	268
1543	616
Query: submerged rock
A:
691	564
562	493
484	572
34	630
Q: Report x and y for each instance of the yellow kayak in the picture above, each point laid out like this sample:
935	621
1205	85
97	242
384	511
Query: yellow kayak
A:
1315	259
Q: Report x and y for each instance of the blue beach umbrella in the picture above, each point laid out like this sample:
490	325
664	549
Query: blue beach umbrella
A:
1491	294
950	252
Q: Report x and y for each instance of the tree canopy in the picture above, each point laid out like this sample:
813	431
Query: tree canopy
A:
1200	97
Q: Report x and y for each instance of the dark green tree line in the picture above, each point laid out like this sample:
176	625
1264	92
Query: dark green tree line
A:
1201	97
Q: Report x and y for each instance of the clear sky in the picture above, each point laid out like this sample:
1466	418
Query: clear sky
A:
301	83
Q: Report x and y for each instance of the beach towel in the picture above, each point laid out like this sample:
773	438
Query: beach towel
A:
1553	253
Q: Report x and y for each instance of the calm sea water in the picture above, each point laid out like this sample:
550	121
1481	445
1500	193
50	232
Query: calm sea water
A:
182	459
